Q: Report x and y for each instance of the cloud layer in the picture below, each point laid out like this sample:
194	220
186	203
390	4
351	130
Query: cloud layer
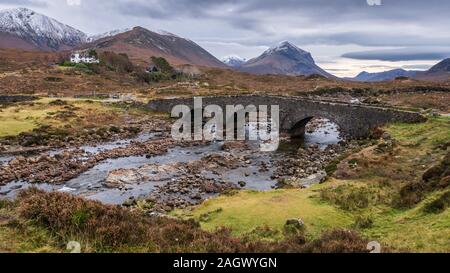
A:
328	28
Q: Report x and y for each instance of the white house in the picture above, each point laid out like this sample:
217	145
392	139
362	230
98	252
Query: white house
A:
79	57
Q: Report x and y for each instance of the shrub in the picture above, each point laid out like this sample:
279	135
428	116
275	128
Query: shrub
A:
53	79
114	129
67	63
152	77
294	227
113	228
433	179
5	203
363	221
410	195
206	217
163	65
337	241
263	232
349	197
58	102
439	205
117	62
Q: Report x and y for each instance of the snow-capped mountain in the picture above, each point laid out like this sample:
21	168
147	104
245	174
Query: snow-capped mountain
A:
111	33
384	76
233	61
140	44
26	29
115	32
284	59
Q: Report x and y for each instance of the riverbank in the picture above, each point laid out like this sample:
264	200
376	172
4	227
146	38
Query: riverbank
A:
377	188
365	194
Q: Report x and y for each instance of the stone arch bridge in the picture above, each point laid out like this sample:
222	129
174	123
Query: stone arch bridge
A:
354	120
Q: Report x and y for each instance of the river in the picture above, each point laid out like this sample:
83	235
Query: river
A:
91	183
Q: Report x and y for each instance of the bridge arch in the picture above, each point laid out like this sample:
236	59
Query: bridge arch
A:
355	121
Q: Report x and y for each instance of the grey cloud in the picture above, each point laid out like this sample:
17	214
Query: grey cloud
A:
404	54
31	3
262	23
417	66
266	18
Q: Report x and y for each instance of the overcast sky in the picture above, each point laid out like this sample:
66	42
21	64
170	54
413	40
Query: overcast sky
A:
344	36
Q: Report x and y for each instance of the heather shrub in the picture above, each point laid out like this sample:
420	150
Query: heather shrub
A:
338	241
111	227
435	178
439	205
108	228
349	197
410	195
363	221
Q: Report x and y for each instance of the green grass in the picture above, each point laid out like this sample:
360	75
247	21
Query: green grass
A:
423	135
248	210
16	120
18	236
413	229
29	239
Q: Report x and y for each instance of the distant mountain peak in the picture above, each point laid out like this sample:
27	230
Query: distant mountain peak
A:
284	59
284	46
41	31
290	50
384	75
233	60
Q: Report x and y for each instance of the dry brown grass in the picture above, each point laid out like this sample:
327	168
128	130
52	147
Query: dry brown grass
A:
24	72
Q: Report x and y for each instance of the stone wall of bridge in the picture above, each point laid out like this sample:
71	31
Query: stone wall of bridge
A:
354	120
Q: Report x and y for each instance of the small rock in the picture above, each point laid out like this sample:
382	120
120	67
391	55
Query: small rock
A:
296	223
242	184
386	136
15	187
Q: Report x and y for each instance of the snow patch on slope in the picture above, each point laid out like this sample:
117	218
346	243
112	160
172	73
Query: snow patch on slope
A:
39	29
233	60
111	33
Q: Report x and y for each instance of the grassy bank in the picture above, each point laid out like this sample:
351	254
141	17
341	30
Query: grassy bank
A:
365	200
24	117
46	222
249	210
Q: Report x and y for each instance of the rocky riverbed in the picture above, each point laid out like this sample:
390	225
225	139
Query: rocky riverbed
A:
156	173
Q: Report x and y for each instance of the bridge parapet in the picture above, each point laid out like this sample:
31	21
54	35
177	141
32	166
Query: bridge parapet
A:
354	120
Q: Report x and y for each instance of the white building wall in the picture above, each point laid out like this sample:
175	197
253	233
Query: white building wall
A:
77	58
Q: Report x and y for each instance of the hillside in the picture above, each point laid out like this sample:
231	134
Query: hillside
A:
22	28
140	44
384	76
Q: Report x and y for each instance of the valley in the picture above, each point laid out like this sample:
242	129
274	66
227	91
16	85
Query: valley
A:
228	185
87	151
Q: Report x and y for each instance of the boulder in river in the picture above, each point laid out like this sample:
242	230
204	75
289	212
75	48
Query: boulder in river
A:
120	177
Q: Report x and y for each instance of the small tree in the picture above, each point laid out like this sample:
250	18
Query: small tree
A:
163	65
93	53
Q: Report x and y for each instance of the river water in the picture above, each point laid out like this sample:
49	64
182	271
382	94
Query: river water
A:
91	183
